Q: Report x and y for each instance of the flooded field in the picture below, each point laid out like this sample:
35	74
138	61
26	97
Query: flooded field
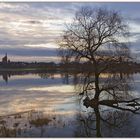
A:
49	105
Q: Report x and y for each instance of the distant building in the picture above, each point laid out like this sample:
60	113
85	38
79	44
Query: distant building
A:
5	59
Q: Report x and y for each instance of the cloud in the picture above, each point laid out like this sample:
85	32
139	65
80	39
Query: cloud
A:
37	26
13	6
29	51
45	45
34	58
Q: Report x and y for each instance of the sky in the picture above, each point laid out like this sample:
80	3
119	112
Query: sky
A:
30	31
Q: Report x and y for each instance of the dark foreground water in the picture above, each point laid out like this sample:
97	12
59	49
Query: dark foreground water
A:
48	105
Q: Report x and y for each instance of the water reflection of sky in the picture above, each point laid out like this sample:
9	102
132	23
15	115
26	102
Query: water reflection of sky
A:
54	96
32	92
50	94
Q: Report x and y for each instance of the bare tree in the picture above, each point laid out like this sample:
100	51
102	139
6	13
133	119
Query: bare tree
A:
98	36
115	98
93	31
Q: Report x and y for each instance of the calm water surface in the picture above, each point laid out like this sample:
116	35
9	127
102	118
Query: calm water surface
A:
53	99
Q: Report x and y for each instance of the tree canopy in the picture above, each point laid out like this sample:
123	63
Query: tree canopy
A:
95	34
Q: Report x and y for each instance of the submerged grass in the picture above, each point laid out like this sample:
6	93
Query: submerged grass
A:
40	122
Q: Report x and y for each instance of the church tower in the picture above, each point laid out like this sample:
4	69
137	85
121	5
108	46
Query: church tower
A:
4	59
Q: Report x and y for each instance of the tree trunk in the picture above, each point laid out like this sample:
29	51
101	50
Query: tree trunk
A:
97	90
98	127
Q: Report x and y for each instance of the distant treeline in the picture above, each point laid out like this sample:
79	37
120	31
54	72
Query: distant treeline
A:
17	65
73	66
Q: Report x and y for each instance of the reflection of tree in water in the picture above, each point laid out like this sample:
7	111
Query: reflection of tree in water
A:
112	91
111	113
105	124
46	75
64	76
